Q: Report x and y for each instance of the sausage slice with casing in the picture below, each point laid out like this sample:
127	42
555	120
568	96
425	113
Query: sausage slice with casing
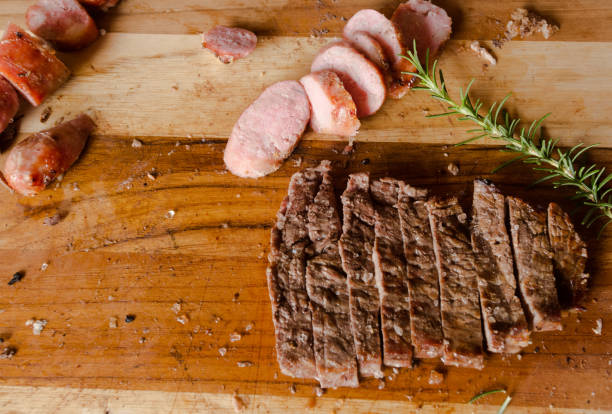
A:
65	23
40	158
267	131
9	103
333	111
361	78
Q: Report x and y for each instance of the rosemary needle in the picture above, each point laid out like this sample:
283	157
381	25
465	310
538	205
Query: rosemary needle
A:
505	405
484	394
590	184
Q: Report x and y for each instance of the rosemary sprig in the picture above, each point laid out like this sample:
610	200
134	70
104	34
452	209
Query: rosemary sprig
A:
589	183
504	405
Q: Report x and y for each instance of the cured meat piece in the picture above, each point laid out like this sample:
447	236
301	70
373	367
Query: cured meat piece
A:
361	78
328	293
37	160
103	5
459	305
229	43
286	275
332	110
505	326
370	48
425	23
391	277
268	130
29	65
423	287
356	245
569	256
9	103
65	23
533	258
387	35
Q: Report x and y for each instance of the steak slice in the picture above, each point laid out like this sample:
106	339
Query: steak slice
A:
569	256
286	278
505	325
533	258
423	287
356	245
391	277
459	305
327	289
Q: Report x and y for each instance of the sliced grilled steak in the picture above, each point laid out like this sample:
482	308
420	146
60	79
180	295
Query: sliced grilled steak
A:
326	284
391	277
356	244
505	325
569	256
423	288
533	258
286	278
459	305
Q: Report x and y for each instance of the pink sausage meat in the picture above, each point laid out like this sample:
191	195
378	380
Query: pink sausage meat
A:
268	130
361	78
229	43
333	111
37	160
65	23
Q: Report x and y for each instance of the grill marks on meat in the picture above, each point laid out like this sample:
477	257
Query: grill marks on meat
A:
459	305
326	284
533	258
569	256
356	245
391	277
286	276
423	287
505	326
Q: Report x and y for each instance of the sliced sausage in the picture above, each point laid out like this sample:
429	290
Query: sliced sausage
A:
9	103
30	65
425	23
65	23
332	110
37	160
267	131
229	43
361	78
386	34
103	5
370	47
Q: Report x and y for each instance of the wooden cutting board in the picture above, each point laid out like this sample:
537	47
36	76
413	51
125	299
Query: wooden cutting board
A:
117	251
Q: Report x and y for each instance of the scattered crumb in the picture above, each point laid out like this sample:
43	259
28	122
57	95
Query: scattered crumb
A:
136	143
235	336
236	297
519	356
238	402
249	327
292	389
297	162
142	340
17	277
176	308
365	161
182	319
435	377
319	391
396	370
152	175
244	364
112	322
524	24
598	327
381	384
453	169
46	113
170	214
129	318
102	32
75	187
349	149
482	53
8	352
222	351
52	220
37	325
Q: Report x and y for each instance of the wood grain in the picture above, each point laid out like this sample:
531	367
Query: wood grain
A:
116	251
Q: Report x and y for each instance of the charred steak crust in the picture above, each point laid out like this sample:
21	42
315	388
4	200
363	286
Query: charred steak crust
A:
505	325
327	289
459	304
286	276
390	273
569	256
356	245
423	287
533	258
